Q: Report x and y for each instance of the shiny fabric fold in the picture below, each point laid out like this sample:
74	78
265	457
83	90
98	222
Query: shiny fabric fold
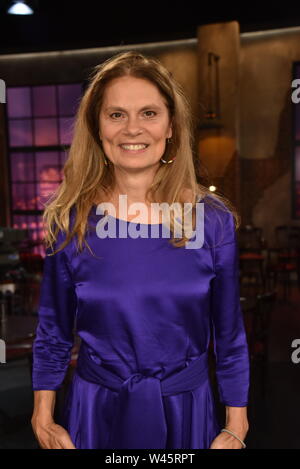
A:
139	418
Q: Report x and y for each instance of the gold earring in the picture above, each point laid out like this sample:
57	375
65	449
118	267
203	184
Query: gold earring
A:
169	161
169	140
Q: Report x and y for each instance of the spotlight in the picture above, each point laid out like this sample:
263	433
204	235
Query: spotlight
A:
20	8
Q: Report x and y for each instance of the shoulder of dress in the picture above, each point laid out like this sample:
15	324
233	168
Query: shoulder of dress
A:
219	221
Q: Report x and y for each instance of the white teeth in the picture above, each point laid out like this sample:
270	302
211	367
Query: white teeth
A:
133	147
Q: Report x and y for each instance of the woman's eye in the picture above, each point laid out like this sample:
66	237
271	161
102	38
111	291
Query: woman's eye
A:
115	114
153	112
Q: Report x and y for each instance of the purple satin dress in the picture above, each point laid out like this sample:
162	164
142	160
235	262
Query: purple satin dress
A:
144	311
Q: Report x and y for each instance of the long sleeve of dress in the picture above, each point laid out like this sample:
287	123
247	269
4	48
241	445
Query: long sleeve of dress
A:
56	314
230	342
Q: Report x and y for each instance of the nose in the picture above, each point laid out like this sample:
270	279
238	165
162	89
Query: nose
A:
132	126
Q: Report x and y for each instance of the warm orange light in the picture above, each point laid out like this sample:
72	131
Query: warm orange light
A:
216	152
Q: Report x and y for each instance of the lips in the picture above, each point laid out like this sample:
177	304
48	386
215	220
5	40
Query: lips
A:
134	148
147	144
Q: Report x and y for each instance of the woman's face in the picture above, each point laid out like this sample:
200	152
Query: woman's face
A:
133	112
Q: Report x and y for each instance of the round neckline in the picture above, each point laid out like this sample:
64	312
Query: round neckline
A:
128	221
134	222
137	223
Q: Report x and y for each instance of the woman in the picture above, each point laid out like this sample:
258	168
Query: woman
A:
143	306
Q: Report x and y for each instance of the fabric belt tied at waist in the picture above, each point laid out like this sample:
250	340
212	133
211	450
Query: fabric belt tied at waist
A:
139	419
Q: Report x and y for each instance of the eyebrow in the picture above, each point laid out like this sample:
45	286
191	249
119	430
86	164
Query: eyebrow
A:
116	108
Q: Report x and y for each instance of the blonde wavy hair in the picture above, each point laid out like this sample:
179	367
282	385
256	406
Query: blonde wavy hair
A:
87	180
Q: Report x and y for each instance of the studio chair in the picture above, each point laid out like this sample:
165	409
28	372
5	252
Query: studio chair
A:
284	259
259	337
251	260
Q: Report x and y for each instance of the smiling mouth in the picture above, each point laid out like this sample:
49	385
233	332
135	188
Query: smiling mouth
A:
134	147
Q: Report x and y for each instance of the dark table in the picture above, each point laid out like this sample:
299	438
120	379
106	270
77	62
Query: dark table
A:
248	303
18	329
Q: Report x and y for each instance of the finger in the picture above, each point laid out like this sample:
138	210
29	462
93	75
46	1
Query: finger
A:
58	445
66	442
61	438
55	442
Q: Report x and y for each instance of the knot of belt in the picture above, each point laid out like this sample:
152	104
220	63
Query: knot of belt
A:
139	420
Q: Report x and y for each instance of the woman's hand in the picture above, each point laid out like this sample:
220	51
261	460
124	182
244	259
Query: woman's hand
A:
51	435
226	441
